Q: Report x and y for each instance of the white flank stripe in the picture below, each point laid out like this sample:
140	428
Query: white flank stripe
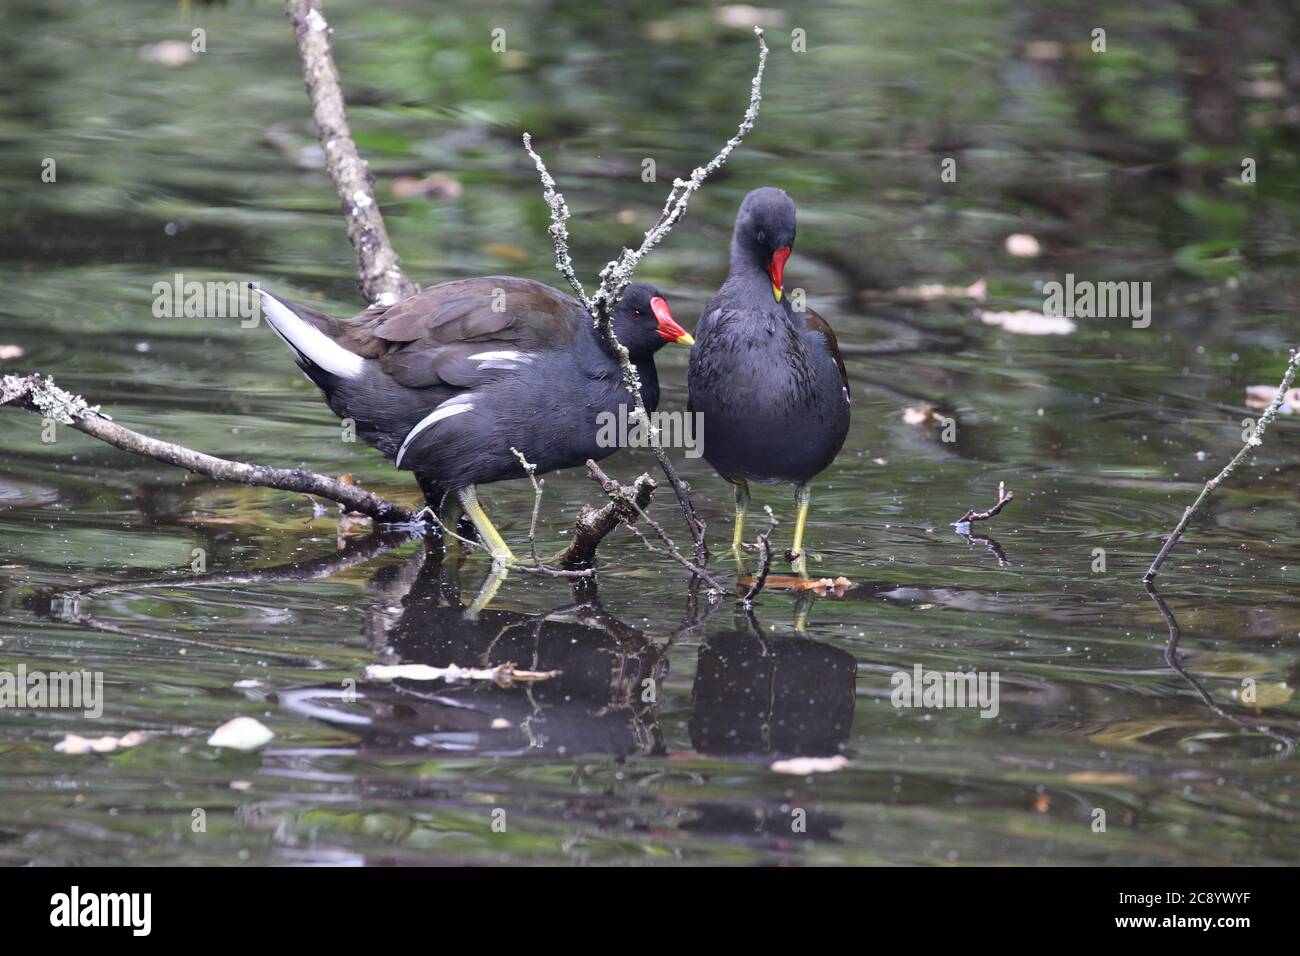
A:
453	406
310	341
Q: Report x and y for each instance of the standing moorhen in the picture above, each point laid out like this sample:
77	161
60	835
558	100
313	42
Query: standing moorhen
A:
447	381
769	381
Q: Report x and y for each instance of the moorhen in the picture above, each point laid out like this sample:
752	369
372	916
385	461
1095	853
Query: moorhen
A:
447	381
769	381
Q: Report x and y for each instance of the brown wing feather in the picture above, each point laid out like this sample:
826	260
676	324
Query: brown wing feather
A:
426	340
815	323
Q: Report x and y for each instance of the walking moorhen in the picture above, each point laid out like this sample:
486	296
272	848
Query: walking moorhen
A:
447	381
769	381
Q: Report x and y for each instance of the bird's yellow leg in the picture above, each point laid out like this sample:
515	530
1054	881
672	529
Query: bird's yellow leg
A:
742	507
492	539
802	498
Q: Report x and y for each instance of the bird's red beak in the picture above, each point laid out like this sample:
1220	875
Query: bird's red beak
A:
776	268
669	330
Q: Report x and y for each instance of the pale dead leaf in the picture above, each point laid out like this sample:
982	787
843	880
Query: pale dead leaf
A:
1259	397
802	766
11	352
1101	777
75	744
438	185
922	414
170	53
1023	245
242	733
977	290
1026	322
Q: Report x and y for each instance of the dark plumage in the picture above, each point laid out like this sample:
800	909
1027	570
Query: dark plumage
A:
447	381
769	381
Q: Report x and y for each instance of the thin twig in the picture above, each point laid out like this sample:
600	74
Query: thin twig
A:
379	270
43	396
1004	496
537	567
764	561
1254	441
531	469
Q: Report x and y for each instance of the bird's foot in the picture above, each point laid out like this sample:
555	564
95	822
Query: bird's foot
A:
799	563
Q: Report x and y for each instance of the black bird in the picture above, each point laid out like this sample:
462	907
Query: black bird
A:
769	381
447	381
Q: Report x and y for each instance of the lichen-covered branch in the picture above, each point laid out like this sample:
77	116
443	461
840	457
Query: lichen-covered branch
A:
1254	441
44	397
379	270
618	273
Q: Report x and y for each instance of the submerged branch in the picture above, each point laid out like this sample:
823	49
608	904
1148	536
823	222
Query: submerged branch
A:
1254	441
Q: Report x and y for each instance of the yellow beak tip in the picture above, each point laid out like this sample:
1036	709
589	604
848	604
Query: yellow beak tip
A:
776	291
684	339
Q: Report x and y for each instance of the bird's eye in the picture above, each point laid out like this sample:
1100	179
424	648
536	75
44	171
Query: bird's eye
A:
636	313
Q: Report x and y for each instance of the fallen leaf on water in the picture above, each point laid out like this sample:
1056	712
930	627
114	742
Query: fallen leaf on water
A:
439	185
1026	322
11	352
1258	398
1023	245
977	290
168	53
922	414
1043	51
807	765
74	744
1042	804
507	251
792	582
1267	695
742	16
1101	777
242	733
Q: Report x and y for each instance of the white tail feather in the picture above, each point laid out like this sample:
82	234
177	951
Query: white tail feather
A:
310	341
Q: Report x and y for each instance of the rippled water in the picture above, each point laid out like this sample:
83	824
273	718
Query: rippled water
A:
1103	435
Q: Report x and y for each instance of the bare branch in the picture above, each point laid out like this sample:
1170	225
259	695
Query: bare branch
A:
43	396
1254	441
594	524
537	502
379	271
764	561
1004	496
